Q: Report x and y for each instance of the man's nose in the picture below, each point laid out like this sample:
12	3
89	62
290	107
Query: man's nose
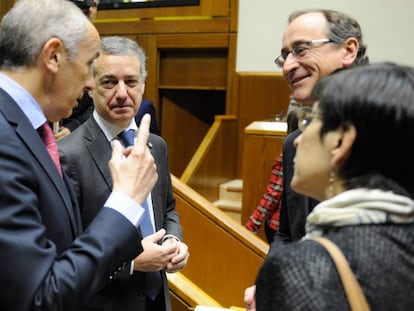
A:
121	89
289	64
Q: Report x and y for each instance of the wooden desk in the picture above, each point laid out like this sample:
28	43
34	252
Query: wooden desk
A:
262	144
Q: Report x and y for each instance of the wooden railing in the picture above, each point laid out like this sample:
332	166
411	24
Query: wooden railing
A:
214	161
185	295
224	256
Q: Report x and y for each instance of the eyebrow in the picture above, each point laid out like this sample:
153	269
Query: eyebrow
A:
296	43
112	76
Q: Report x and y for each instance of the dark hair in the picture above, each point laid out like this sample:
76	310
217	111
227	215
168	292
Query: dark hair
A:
292	119
378	100
84	5
340	28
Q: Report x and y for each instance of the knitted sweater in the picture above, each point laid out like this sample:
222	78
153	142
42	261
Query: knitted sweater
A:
302	276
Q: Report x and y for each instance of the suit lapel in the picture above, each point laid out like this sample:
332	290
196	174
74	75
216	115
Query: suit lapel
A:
98	145
155	193
99	149
35	145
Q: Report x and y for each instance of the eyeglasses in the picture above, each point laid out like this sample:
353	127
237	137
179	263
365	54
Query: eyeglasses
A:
305	116
300	50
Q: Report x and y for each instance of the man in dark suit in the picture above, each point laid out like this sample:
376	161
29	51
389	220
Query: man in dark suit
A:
315	44
120	74
47	262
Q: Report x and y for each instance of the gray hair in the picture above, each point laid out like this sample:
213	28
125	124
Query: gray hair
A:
31	23
340	28
122	46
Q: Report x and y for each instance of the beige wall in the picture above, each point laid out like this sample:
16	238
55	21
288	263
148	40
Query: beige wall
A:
387	27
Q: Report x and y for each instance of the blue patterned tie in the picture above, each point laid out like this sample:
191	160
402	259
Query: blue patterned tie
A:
127	137
152	279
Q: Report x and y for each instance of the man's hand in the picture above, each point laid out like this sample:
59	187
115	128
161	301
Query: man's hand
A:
133	169
180	259
250	298
63	131
154	257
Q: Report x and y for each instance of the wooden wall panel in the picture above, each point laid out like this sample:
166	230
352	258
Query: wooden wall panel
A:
148	42
257	96
259	154
206	8
182	131
208	25
5	6
205	41
213	163
181	69
231	68
234	8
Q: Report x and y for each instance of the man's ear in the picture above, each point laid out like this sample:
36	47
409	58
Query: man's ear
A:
351	47
345	138
53	53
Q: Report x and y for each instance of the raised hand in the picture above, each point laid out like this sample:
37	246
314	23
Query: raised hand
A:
133	169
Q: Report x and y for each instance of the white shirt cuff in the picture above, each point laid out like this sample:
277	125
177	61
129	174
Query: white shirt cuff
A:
126	206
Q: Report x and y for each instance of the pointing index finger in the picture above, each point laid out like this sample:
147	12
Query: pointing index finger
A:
143	131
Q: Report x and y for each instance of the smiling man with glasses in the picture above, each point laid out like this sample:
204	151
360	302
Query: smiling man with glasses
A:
315	44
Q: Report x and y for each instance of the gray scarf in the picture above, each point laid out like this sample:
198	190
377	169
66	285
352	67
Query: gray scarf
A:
359	206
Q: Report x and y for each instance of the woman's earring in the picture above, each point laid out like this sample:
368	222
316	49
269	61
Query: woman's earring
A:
331	185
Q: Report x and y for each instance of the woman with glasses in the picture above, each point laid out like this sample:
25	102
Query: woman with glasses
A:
367	206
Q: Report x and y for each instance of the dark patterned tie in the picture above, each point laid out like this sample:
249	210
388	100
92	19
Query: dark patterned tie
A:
127	137
48	138
152	279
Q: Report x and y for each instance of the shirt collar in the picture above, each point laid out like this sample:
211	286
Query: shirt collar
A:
111	131
24	100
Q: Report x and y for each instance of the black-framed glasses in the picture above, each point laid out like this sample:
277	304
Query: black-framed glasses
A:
299	50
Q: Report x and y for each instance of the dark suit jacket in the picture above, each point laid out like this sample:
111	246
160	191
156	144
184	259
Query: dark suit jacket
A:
295	207
46	264
84	155
147	107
